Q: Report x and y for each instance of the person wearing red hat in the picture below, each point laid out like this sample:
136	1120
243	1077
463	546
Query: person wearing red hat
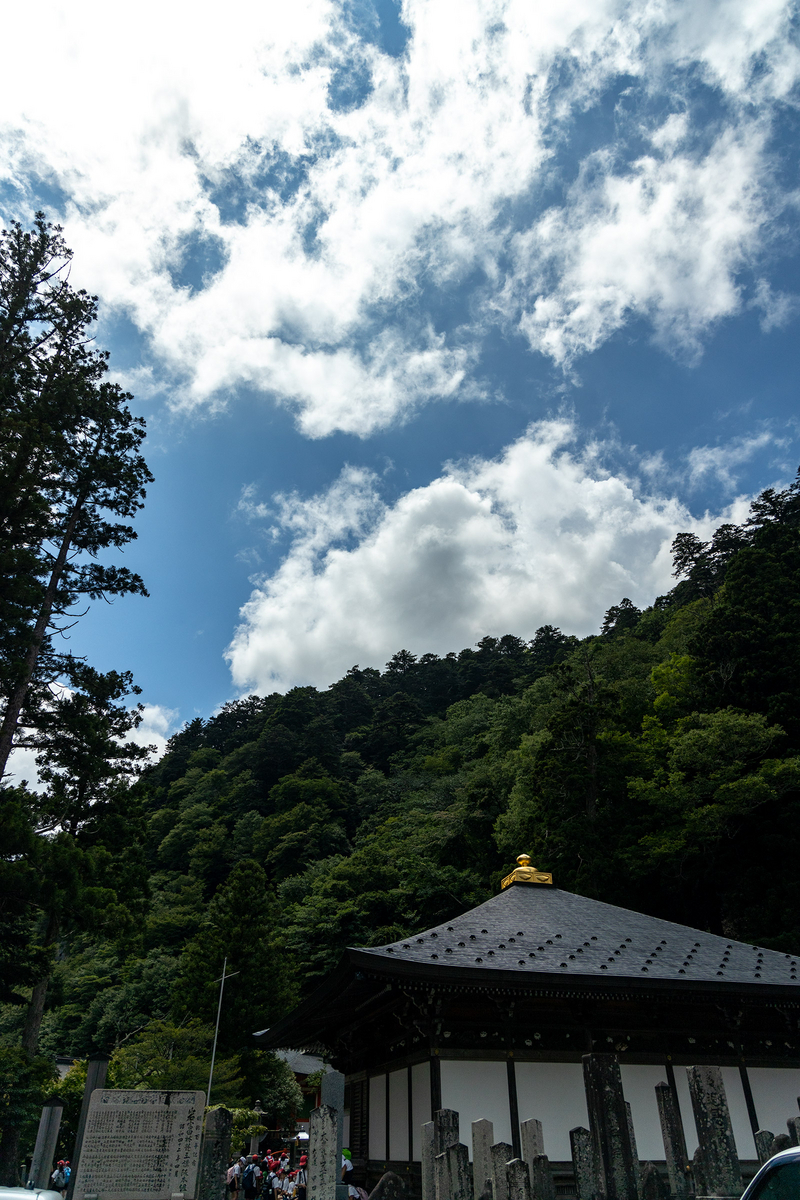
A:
302	1178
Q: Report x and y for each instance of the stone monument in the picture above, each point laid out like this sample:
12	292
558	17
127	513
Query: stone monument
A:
140	1145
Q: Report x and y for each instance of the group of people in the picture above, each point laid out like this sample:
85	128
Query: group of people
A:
267	1176
59	1180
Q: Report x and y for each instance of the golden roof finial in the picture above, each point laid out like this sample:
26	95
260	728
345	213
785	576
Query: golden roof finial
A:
525	873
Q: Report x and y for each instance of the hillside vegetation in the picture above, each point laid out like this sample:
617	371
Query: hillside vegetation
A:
655	765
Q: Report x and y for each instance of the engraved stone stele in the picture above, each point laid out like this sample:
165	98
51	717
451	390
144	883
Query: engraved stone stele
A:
793	1125
445	1130
502	1154
543	1186
445	1135
519	1184
608	1122
532	1139
674	1141
140	1145
763	1140
482	1138
653	1186
323	1165
637	1166
211	1183
389	1187
332	1093
586	1182
722	1174
453	1168
428	1162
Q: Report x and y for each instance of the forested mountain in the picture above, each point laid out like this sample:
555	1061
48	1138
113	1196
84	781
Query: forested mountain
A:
655	765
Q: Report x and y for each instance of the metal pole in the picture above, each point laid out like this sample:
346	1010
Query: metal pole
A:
223	977
216	1031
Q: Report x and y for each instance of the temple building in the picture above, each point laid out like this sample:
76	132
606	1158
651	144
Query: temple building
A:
490	1014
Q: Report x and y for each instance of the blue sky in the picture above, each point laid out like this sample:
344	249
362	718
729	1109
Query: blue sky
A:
445	316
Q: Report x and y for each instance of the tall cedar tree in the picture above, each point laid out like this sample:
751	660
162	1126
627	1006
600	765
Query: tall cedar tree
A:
69	463
71	477
243	924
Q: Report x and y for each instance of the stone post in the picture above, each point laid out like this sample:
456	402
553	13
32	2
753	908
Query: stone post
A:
517	1180
452	1173
214	1154
428	1162
763	1140
323	1165
332	1093
698	1178
502	1154
445	1130
95	1079
255	1138
482	1138
542	1183
653	1186
793	1125
637	1167
587	1185
608	1122
720	1162
532	1140
45	1149
674	1141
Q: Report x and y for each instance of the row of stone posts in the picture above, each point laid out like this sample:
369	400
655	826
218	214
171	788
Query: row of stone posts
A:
604	1157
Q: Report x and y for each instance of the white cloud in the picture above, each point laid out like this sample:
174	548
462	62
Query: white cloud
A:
541	535
720	462
158	724
356	225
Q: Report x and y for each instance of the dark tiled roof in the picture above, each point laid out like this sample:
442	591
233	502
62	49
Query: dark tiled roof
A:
540	929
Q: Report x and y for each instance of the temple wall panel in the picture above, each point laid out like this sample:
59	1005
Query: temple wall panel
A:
420	1102
687	1116
554	1094
477	1090
377	1117
398	1115
638	1084
775	1095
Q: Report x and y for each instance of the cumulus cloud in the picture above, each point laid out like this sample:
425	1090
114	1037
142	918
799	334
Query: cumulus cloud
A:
158	724
541	535
276	201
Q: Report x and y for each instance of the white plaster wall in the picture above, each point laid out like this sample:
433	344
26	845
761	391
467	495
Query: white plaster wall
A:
737	1107
377	1116
398	1115
554	1094
420	1103
477	1090
685	1104
775	1091
639	1087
